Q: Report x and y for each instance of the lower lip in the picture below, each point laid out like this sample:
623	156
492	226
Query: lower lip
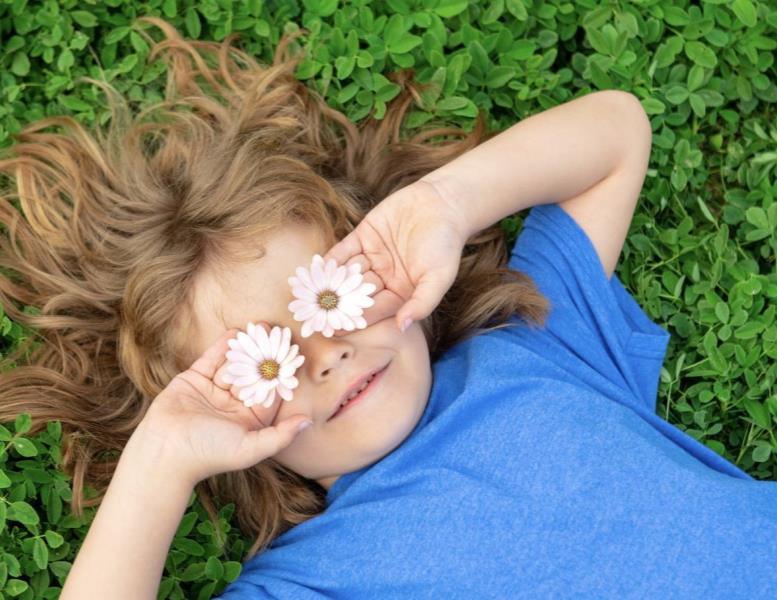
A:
365	392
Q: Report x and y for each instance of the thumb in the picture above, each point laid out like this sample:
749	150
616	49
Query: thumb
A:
263	443
427	295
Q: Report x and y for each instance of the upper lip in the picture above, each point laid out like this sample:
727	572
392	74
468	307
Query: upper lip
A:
355	386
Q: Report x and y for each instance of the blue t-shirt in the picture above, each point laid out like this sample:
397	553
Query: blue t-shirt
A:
539	469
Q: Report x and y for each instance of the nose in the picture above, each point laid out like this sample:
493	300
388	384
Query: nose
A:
323	355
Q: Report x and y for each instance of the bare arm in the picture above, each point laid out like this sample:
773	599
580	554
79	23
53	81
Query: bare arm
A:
124	553
589	155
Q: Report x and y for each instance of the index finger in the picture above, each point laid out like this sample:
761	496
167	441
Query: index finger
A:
210	361
345	249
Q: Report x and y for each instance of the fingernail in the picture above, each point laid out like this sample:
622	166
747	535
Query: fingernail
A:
406	324
304	425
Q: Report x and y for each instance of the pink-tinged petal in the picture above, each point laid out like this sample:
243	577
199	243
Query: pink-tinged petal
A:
234	344
354	268
285	392
263	342
246	380
305	278
327	331
287	371
246	393
349	285
240	356
361	322
337	279
237	368
360	301
365	289
283	350
290	390
291	382
298	305
252	390
249	346
333	318
297	317
264	397
290	354
307	328
251	328
297	362
319	320
317	273
349	308
269	398
306	313
275	341
330	268
293	281
345	321
260	389
304	293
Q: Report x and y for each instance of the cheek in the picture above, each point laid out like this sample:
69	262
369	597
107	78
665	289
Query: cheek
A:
419	347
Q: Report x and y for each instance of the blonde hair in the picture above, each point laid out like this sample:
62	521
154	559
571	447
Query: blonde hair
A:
118	226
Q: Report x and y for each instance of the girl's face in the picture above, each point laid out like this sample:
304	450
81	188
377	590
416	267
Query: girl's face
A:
259	292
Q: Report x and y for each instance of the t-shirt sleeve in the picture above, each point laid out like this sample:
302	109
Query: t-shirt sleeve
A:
246	588
274	575
243	589
592	319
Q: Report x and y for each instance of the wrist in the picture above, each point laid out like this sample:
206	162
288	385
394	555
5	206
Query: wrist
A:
451	195
149	452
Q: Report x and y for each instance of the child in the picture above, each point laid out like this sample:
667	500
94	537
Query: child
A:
521	461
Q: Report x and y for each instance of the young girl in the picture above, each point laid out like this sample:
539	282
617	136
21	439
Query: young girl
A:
507	445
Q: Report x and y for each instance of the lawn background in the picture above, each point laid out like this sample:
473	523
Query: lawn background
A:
699	257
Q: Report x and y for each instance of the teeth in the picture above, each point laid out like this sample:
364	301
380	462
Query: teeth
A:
356	392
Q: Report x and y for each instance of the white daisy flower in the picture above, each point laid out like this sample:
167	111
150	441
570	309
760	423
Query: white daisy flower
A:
262	364
329	297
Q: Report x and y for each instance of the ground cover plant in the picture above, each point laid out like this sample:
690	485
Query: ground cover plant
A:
699	257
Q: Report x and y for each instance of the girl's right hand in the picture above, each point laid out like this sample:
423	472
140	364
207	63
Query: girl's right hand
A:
409	245
201	427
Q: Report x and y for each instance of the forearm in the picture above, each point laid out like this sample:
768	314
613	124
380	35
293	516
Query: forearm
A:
124	552
548	157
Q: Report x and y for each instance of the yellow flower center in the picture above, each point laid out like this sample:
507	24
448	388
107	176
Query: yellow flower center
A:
269	369
327	300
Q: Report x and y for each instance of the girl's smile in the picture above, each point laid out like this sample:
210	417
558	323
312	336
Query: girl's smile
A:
366	387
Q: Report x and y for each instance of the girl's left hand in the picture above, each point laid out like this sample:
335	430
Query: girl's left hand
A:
199	427
410	247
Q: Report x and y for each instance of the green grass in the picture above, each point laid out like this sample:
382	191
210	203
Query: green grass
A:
700	255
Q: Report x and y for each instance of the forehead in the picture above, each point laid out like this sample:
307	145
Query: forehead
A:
256	290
